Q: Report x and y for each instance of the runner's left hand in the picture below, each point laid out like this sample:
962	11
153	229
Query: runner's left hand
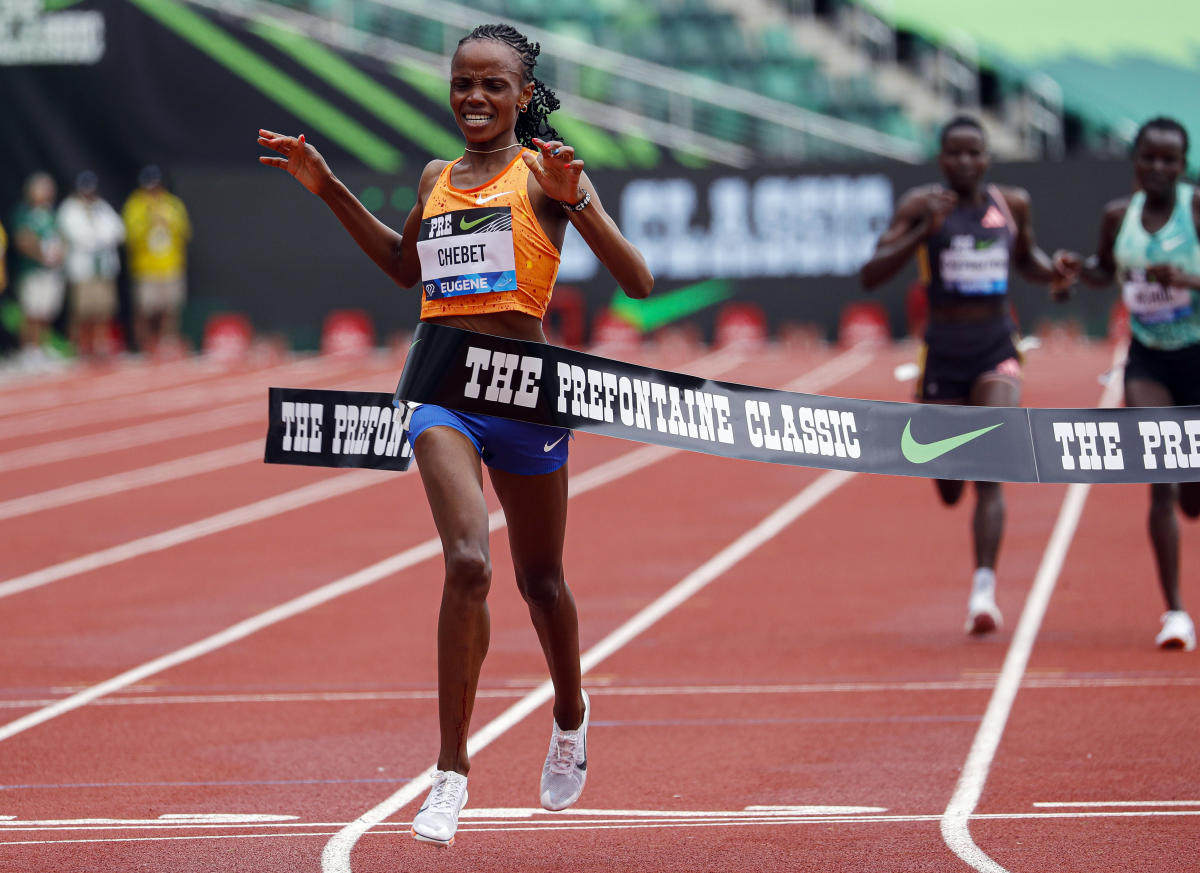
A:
556	170
1167	275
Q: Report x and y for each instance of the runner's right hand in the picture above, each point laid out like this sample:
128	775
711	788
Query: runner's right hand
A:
1067	265
936	205
299	158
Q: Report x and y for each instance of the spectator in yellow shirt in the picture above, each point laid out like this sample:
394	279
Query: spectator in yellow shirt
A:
157	233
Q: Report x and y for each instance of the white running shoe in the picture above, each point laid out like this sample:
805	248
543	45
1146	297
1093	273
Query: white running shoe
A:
983	616
1177	632
437	819
565	769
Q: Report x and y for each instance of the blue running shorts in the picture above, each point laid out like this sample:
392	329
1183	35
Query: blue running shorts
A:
512	446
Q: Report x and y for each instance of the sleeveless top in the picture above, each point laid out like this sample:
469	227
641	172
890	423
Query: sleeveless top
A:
482	249
1160	318
967	259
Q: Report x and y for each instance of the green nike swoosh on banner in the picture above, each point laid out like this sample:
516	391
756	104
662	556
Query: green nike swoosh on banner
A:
463	224
923	453
660	309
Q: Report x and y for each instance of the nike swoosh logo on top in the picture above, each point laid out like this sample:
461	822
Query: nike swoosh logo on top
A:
923	453
549	446
479	201
463	224
1172	243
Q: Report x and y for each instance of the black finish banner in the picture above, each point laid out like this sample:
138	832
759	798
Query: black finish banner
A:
546	384
316	428
1156	444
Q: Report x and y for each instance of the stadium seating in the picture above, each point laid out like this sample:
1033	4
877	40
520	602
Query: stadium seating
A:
692	36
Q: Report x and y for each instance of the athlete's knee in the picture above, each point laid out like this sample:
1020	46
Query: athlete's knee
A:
541	589
468	571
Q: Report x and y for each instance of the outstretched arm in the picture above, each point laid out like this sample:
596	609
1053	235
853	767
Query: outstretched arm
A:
919	215
394	253
1100	270
1059	272
559	176
1028	257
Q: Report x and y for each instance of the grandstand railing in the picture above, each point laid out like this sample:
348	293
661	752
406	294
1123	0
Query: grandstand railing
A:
664	105
951	67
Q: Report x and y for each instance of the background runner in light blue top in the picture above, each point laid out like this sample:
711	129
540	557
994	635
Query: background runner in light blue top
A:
1160	317
1148	243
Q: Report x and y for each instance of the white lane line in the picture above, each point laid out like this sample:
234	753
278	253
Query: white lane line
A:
539	819
165	400
1089	804
955	825
612	691
761	812
190	821
242	515
73	386
117	483
170	820
834	370
71	448
269	836
188	424
336	856
600	475
391	829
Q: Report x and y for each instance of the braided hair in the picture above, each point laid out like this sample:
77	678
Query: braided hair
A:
533	121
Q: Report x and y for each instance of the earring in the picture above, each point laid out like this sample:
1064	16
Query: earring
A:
524	107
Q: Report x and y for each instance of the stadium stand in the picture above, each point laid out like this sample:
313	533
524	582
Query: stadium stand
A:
1069	77
728	78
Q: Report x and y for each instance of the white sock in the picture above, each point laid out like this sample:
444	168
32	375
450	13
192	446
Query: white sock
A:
985	578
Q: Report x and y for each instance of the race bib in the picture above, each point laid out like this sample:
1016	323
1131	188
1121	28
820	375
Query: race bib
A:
469	251
1153	303
970	266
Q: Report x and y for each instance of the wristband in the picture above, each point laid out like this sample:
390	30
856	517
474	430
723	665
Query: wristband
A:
580	206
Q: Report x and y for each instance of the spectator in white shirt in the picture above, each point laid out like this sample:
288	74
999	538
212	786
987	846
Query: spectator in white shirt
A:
93	232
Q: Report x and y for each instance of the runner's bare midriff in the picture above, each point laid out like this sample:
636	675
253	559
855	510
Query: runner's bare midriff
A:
512	324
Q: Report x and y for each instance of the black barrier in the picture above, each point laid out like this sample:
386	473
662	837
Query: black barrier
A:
317	428
545	384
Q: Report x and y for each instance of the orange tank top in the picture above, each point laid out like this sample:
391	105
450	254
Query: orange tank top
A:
482	249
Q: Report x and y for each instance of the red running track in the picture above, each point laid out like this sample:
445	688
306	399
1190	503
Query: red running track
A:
212	664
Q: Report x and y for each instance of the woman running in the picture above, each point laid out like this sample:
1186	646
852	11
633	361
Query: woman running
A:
519	186
1149	243
964	236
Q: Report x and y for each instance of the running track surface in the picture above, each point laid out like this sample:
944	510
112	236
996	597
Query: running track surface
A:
211	664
